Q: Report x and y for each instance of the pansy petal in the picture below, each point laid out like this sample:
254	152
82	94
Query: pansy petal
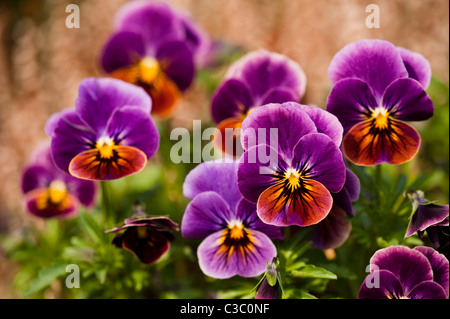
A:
197	39
410	266
376	62
406	100
122	49
263	70
165	96
231	99
277	126
69	114
69	138
439	264
148	249
325	122
131	126
258	170
204	215
352	185
38	203
350	100
426	216
278	95
215	176
389	286
91	166
428	290
348	194
333	231
366	146
84	190
177	62
220	261
228	136
155	21
266	291
417	66
98	98
35	176
317	157
309	207
246	213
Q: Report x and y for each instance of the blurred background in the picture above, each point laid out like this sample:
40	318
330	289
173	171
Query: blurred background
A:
42	63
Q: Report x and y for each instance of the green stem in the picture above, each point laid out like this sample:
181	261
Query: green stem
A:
378	187
105	200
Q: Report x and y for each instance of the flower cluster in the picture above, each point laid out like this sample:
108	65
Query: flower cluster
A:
291	164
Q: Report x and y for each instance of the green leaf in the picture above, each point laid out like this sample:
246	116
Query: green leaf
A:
299	294
311	271
101	274
90	226
45	278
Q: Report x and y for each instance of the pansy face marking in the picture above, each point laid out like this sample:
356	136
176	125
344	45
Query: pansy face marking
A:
107	159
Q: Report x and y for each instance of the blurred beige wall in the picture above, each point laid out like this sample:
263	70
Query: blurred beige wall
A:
42	62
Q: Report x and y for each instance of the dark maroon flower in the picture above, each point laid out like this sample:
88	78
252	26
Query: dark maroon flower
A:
430	217
399	272
148	238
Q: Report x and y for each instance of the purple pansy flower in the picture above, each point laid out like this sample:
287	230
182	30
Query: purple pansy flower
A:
258	78
148	238
293	185
334	229
49	192
156	48
236	241
377	87
399	272
110	133
430	217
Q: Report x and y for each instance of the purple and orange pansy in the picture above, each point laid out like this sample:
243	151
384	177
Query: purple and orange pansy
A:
258	78
108	135
148	238
49	192
377	87
291	182
235	240
156	48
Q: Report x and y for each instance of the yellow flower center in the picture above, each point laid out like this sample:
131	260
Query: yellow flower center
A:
57	191
148	69
293	177
105	146
381	116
